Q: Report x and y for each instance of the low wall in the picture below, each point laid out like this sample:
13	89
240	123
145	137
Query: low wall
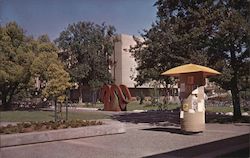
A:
107	128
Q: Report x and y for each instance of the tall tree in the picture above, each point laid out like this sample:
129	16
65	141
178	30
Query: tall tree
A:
58	81
16	59
23	59
213	33
48	69
85	49
230	46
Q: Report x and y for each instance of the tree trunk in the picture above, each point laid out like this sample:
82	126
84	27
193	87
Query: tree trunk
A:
5	102
235	98
67	102
5	105
234	85
7	95
80	94
93	97
55	104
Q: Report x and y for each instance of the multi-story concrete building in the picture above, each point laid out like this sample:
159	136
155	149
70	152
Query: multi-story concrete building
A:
124	68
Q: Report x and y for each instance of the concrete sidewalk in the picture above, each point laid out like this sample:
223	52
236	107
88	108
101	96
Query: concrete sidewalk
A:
140	140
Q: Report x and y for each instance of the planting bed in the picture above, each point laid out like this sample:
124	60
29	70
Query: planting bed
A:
43	126
40	136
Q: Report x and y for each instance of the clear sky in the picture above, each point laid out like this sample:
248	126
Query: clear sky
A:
53	16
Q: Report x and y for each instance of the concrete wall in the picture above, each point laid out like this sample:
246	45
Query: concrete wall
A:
125	66
116	69
124	70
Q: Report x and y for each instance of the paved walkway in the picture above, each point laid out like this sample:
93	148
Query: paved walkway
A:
140	140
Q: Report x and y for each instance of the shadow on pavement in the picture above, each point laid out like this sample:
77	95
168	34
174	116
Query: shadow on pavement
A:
171	130
230	147
224	119
162	118
171	118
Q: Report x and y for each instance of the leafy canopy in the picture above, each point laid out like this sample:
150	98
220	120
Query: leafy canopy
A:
85	49
58	81
16	59
211	33
48	69
23	59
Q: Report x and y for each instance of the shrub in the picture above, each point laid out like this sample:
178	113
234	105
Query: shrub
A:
41	126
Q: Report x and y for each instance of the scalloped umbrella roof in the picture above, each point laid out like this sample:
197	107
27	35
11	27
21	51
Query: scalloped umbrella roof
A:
189	68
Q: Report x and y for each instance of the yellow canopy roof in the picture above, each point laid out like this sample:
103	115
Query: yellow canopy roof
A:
188	68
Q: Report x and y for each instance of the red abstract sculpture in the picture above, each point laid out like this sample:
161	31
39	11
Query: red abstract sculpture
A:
115	98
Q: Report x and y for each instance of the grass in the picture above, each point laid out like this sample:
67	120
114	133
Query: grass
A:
26	116
131	106
89	105
224	109
136	106
146	106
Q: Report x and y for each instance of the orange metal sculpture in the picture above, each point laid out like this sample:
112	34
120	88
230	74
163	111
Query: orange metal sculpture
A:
115	98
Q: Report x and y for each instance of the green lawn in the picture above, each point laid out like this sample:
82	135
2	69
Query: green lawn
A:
131	106
25	116
136	106
88	105
219	109
146	106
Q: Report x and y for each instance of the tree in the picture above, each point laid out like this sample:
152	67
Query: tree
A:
41	63
48	69
23	59
213	33
85	49
230	45
58	81
16	59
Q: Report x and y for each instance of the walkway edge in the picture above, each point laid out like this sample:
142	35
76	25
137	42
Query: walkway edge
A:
109	128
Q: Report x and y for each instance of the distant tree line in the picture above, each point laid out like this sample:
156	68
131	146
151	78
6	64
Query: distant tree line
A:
23	61
85	49
80	55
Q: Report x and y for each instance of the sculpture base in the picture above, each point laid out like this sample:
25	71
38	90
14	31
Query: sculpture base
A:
193	122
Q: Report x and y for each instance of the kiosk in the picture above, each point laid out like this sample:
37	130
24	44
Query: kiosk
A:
192	95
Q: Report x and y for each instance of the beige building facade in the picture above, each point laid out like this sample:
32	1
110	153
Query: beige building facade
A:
124	68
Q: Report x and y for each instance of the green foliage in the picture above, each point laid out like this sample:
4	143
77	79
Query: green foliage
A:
42	62
49	69
57	81
211	33
27	116
24	59
43	39
86	48
16	59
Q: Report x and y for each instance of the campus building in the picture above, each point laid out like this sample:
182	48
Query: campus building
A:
124	69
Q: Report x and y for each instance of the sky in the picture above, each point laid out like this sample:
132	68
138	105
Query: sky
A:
51	17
